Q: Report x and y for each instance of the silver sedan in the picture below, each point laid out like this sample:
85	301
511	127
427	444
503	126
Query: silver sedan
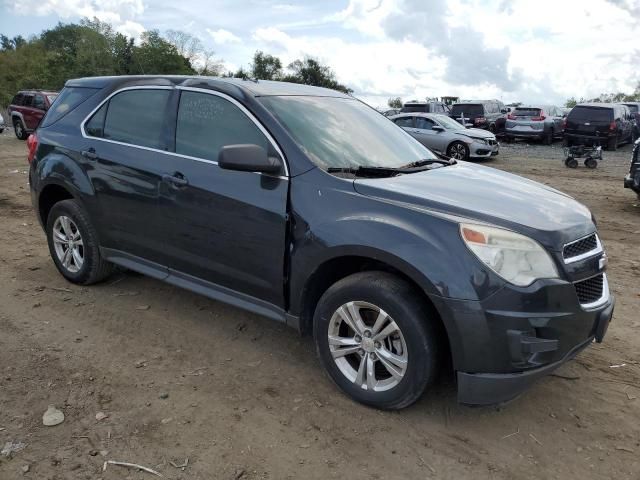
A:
444	135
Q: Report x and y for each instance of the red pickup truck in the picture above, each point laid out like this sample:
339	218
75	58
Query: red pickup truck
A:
27	109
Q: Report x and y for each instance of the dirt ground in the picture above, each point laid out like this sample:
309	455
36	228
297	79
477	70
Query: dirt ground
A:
181	377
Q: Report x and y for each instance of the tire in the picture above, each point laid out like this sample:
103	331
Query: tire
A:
590	162
566	142
19	129
612	144
416	340
571	162
68	218
548	138
458	150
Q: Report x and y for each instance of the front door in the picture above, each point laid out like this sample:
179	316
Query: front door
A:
224	227
432	139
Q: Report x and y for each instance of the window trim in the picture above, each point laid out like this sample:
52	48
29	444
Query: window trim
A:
242	108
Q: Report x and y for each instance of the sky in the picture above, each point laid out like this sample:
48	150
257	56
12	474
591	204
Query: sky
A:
531	51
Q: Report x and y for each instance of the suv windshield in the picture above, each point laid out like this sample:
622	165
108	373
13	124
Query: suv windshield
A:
467	109
449	123
344	132
594	114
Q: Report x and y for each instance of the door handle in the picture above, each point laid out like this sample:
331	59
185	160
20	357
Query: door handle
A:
176	179
90	154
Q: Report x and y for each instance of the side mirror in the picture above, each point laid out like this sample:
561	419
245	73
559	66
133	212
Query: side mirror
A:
247	158
437	128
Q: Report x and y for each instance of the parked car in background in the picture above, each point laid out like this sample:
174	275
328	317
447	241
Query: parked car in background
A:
487	114
535	121
425	107
632	180
27	109
2	124
634	108
441	134
605	124
390	112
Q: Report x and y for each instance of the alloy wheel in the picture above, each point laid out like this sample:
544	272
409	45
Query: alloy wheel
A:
68	244
457	151
367	346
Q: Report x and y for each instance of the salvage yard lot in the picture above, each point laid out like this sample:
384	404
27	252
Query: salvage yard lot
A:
247	397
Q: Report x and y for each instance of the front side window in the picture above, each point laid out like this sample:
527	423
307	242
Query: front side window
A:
27	101
424	123
18	99
137	117
337	132
207	122
38	102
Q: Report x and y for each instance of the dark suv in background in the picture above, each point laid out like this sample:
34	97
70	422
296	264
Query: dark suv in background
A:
632	180
604	124
425	107
27	109
487	114
307	206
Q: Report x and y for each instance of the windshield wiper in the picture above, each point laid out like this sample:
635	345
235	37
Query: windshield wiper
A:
366	171
430	161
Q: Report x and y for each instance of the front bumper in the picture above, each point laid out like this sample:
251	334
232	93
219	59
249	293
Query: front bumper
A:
502	344
489	389
482	150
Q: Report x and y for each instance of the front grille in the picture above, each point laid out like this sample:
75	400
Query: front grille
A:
590	290
580	247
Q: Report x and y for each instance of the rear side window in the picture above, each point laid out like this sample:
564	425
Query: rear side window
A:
593	114
136	117
17	100
68	99
406	122
27	100
206	123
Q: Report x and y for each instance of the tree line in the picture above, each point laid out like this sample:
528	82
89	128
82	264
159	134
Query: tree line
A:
94	48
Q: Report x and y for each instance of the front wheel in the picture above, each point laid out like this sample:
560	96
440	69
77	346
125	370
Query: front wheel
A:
458	150
377	339
73	244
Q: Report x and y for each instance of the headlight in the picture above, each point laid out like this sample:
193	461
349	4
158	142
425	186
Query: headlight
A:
516	258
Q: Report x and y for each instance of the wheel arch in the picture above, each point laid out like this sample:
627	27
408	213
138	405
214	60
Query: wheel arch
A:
51	194
338	267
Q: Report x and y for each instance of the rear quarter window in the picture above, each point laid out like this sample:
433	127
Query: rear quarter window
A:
68	100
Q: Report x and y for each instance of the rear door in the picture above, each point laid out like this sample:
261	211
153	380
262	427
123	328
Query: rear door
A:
225	227
125	156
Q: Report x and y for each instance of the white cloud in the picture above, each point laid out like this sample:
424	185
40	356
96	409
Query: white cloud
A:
517	50
222	36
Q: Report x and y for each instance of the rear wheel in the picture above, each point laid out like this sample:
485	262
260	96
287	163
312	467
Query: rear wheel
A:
571	162
377	339
548	137
590	162
19	129
612	145
566	142
458	150
73	244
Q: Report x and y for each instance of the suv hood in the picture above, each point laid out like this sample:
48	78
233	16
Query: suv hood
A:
488	195
476	133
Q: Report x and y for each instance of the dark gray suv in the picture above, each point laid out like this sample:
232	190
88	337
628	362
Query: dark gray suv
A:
309	207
